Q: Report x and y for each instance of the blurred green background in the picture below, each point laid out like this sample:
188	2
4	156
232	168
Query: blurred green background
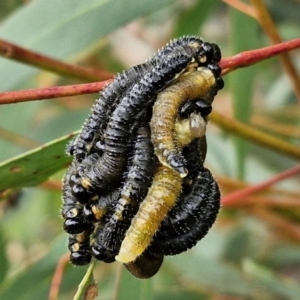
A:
253	251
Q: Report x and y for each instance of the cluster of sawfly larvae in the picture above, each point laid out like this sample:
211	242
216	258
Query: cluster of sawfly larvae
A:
137	189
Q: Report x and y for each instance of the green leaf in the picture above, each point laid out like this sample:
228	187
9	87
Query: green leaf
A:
35	166
280	287
63	29
133	288
244	33
39	275
192	19
3	258
212	274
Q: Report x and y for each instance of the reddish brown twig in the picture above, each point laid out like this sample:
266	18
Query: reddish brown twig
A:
228	64
57	277
233	198
250	57
35	59
51	92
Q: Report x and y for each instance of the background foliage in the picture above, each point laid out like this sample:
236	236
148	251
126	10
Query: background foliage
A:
252	252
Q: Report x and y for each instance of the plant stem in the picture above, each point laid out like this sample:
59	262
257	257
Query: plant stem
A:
88	277
250	57
17	53
255	135
51	92
237	196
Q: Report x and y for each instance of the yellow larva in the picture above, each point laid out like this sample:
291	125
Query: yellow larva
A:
193	85
161	197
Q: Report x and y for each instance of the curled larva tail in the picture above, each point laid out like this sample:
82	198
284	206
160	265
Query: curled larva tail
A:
165	111
160	199
145	266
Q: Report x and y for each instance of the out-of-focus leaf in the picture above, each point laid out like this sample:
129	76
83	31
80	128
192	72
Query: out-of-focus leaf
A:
244	36
284	10
283	255
59	125
191	20
39	275
66	28
213	274
35	166
17	118
237	244
133	288
179	295
220	155
3	258
279	287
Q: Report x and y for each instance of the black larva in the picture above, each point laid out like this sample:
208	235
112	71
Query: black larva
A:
71	209
79	246
125	116
94	127
195	209
137	181
190	221
103	188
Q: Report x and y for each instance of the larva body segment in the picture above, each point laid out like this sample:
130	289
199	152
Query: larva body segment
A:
137	181
79	246
165	110
161	197
96	211
71	209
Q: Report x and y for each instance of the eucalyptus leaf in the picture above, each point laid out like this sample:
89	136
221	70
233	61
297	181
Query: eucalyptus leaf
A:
34	167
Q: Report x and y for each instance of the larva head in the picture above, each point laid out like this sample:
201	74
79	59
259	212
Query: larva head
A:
216	52
81	194
204	52
76	225
216	70
80	252
102	254
93	212
196	105
80	258
88	213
